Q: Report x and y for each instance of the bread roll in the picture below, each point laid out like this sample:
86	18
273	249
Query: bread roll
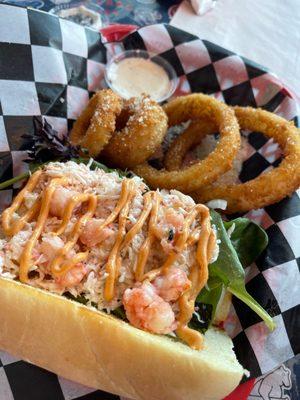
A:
100	351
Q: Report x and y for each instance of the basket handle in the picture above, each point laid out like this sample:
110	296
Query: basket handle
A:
116	32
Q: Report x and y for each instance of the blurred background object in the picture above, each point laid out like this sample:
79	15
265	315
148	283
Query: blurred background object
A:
202	6
86	13
100	13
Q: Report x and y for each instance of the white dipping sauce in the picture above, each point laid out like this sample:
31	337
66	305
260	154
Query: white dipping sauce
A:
135	75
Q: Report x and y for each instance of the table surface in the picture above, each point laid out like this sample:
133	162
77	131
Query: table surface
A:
265	31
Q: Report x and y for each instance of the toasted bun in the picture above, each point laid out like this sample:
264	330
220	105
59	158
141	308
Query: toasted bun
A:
100	351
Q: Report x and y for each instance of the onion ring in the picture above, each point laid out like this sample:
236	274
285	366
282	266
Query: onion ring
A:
192	135
96	124
206	171
145	127
268	188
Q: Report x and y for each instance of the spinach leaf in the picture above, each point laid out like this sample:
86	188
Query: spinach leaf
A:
210	294
229	269
247	238
120	313
202	317
80	298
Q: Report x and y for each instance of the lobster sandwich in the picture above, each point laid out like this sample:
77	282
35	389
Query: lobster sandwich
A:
98	282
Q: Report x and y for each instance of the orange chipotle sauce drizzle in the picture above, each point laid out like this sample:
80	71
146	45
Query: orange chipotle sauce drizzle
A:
11	228
146	246
114	259
25	259
61	264
198	276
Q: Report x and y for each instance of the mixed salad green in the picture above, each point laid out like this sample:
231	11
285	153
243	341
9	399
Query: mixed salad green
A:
236	251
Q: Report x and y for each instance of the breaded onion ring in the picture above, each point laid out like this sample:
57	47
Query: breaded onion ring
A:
206	171
145	127
193	135
96	124
268	188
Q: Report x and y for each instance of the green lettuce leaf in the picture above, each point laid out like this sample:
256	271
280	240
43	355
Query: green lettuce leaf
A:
210	294
80	298
230	271
120	313
247	238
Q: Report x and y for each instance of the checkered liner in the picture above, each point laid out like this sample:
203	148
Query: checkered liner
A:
50	67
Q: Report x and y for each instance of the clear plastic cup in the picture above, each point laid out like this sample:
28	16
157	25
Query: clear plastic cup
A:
164	64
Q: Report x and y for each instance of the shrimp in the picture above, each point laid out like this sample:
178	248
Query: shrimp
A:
92	235
148	311
174	219
59	201
171	223
50	246
171	285
73	277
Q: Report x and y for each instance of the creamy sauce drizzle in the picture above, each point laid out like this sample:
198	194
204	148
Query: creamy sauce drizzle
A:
134	76
25	259
11	228
61	264
146	246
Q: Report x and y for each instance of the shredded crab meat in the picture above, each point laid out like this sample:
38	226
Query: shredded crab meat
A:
150	305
